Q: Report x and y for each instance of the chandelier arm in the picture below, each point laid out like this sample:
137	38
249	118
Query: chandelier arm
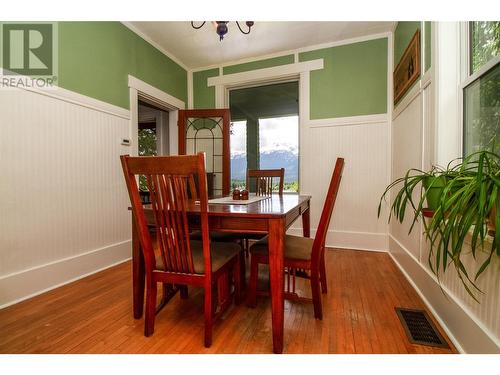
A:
199	27
239	27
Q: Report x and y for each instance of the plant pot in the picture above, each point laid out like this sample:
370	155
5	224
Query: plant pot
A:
434	186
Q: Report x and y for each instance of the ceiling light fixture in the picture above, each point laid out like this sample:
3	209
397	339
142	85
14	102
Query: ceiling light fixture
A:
222	29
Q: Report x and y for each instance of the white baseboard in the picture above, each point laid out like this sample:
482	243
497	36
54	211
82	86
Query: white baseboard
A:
350	240
466	334
25	284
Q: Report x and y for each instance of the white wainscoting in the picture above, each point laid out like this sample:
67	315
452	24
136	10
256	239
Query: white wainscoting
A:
364	145
64	202
473	327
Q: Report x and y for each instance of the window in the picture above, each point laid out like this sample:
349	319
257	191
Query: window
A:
481	90
484	43
265	132
238	141
279	148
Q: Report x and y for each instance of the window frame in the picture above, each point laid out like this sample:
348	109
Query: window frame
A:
467	77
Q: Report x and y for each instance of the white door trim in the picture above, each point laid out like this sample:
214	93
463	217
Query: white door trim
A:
140	89
273	73
161	97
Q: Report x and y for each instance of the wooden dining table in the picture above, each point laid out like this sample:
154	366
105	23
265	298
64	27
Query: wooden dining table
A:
273	215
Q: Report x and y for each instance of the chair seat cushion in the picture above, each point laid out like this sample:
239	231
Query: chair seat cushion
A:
299	248
217	236
222	252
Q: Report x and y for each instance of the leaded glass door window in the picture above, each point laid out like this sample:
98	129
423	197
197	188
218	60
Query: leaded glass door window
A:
208	131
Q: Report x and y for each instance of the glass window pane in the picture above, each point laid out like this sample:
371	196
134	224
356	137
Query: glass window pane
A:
482	112
484	42
279	148
238	140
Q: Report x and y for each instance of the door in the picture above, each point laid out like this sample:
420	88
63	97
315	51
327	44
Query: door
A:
207	130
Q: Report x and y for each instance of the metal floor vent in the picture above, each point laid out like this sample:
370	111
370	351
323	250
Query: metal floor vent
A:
419	328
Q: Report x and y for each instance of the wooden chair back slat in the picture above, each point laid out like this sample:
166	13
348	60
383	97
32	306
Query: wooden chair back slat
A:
264	180
326	214
169	179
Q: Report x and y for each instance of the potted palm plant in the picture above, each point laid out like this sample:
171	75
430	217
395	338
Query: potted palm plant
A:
454	203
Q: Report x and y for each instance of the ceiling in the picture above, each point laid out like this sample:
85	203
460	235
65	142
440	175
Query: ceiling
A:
202	48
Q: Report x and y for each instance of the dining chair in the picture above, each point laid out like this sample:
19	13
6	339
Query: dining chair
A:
171	257
260	181
304	257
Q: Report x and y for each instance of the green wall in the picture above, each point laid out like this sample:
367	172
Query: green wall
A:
204	96
427	45
353	81
95	59
259	64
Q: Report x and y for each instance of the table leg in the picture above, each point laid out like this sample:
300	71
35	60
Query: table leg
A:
138	273
306	223
276	270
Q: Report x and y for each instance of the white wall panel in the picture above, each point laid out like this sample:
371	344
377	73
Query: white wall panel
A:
475	327
62	189
365	148
407	154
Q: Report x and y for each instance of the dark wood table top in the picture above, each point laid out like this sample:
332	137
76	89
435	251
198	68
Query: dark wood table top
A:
272	207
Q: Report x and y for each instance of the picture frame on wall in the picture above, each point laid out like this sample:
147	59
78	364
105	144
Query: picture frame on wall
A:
408	69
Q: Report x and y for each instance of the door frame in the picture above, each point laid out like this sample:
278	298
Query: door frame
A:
141	90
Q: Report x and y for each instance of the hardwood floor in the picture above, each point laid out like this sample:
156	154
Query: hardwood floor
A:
94	315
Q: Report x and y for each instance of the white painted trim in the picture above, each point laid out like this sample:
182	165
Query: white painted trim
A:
426	79
435	75
483	70
19	286
304	98
221	93
467	333
275	72
422	49
410	96
348	121
155	45
72	97
173	131
139	89
464	51
447	93
366	241
169	101
394	26
133	129
295	51
390	109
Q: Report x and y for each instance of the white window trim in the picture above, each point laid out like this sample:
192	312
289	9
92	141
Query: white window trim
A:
466	77
482	71
448	104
